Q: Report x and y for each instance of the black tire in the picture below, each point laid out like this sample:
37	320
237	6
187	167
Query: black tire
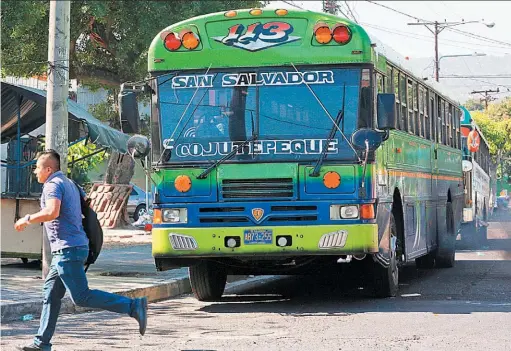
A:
385	280
445	257
207	280
426	261
24	260
138	213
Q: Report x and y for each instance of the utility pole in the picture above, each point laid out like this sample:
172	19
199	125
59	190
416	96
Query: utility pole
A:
487	97
436	28
330	6
56	134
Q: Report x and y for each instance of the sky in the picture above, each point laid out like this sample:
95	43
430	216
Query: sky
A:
417	41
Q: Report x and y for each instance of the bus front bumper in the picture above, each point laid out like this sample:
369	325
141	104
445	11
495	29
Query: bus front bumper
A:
285	240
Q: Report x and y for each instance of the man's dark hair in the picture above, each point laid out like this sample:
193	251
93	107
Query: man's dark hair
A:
53	155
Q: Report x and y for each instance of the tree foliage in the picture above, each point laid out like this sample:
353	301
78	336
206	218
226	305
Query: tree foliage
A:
78	169
495	123
109	40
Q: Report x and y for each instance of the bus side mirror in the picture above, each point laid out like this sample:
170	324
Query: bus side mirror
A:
385	109
138	146
128	111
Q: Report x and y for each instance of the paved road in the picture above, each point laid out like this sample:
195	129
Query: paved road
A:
464	308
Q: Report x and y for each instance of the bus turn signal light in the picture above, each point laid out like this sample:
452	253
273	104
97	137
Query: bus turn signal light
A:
367	211
157	216
183	183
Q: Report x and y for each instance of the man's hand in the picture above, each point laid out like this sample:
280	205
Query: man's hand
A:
21	224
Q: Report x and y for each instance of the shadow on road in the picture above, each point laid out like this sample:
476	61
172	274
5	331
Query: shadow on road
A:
447	291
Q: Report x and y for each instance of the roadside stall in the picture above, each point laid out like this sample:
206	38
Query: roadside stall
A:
23	115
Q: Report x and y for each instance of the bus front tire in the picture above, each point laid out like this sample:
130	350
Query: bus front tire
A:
385	280
208	281
447	241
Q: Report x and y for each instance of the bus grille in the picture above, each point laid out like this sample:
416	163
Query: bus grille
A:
260	189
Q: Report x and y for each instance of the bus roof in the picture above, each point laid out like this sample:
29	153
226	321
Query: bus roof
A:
225	44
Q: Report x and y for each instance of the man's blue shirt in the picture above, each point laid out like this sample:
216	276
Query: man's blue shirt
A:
67	229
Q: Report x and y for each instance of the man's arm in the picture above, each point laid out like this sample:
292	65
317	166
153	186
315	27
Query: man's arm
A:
49	213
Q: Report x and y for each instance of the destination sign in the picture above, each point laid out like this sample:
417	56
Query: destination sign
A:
254	79
259	147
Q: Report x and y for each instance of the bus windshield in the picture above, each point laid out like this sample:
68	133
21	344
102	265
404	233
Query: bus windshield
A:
204	116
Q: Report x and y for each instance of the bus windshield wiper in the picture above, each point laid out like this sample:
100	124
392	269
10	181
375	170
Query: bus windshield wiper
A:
233	152
331	134
334	122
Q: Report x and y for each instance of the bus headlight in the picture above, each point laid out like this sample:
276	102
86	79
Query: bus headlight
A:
348	212
175	215
344	212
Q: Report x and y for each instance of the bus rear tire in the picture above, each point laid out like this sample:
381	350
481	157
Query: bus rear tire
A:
445	257
385	280
208	281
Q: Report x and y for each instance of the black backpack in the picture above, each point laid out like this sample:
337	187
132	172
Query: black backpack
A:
92	228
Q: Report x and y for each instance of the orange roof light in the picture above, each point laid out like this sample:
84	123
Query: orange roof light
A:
331	180
190	40
323	34
256	12
230	14
183	183
281	12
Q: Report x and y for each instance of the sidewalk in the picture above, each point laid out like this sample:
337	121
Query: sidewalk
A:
127	269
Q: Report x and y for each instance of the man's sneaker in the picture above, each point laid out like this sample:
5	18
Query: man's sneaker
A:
140	313
32	347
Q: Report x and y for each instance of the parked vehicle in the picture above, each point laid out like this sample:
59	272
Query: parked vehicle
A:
137	202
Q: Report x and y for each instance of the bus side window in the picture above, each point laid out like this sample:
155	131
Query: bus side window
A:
439	120
432	114
411	124
402	98
389	80
427	123
395	79
448	121
442	117
379	83
416	115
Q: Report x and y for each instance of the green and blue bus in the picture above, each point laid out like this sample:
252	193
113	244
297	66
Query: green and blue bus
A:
477	204
287	141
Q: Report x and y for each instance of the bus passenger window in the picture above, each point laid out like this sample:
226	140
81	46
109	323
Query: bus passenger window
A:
411	124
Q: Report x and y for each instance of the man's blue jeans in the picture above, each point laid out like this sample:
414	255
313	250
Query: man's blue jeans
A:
67	273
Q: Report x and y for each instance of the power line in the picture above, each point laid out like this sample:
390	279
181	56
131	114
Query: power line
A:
429	39
480	37
397	11
499	76
349	9
444	42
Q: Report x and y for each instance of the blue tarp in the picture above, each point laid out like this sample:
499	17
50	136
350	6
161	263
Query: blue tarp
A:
33	115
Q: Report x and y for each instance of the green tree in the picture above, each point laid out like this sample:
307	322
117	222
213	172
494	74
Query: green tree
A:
79	164
474	105
109	39
496	127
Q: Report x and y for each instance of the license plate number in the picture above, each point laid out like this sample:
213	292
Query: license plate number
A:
258	236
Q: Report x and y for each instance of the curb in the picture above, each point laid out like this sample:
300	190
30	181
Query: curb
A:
154	293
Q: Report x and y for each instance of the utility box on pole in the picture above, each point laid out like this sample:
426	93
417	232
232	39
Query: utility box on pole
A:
57	93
